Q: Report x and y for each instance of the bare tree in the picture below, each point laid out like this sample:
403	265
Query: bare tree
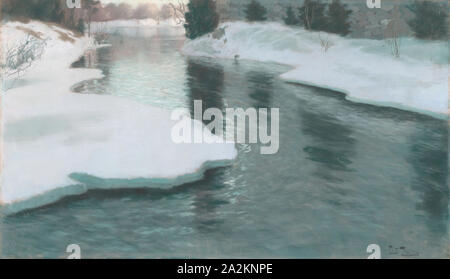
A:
325	42
395	29
146	10
308	16
21	57
179	10
125	11
166	11
393	39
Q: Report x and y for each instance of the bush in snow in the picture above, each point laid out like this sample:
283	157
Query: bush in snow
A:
338	18
177	11
255	11
202	18
312	15
395	30
291	17
22	56
430	20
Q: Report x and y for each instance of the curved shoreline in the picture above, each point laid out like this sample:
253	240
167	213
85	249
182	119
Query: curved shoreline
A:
57	194
39	197
358	68
348	97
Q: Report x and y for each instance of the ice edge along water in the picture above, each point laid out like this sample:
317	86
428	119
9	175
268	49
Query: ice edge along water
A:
54	139
363	69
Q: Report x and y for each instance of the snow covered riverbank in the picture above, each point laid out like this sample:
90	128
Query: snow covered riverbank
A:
363	69
53	137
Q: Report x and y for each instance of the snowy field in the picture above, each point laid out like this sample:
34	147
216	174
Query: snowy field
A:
363	69
52	134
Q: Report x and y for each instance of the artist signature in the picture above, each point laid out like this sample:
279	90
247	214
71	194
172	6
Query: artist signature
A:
402	251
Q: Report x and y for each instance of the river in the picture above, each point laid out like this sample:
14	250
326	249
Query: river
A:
346	175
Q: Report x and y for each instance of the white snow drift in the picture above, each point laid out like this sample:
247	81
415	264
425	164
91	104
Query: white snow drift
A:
363	69
52	134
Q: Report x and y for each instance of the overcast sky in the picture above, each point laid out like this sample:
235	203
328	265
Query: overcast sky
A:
135	2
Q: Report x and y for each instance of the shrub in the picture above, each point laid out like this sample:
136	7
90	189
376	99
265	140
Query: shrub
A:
202	18
338	18
312	15
291	17
255	12
430	21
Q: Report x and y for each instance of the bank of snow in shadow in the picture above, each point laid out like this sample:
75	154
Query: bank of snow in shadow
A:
363	69
54	138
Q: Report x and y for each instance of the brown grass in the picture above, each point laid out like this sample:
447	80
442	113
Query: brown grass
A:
53	25
30	32
21	19
64	37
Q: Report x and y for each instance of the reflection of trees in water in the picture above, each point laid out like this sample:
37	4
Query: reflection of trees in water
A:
429	158
206	202
90	58
261	88
333	144
98	59
124	46
205	82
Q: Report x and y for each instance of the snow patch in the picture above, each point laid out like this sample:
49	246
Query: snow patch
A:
52	135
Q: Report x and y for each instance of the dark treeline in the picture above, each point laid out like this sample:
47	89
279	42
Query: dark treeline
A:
429	22
313	15
46	10
429	17
57	11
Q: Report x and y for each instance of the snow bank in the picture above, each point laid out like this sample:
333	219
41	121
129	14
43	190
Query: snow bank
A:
52	136
363	69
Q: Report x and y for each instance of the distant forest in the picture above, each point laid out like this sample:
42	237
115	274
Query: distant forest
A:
58	12
362	22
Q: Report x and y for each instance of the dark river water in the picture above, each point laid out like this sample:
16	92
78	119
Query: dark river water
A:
346	175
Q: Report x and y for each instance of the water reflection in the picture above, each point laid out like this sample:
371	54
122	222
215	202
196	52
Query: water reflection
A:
429	158
333	144
205	81
206	202
260	85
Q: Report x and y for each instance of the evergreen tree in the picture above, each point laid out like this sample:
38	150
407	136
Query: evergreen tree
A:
80	26
57	12
46	10
430	21
255	11
202	18
338	18
312	15
291	17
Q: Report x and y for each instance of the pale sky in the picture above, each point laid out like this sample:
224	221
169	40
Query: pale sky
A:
136	2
